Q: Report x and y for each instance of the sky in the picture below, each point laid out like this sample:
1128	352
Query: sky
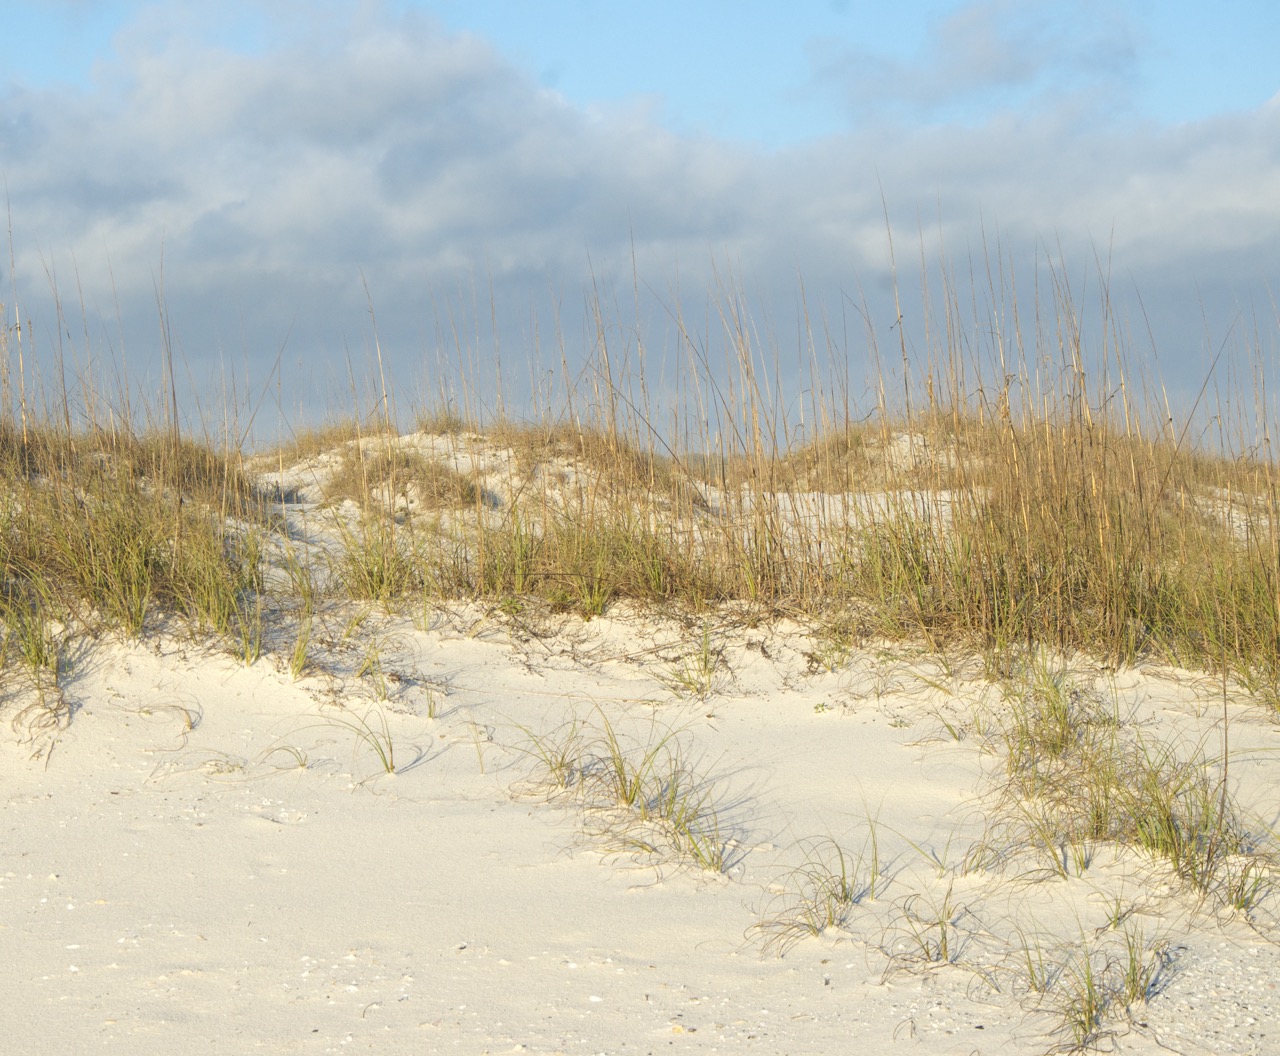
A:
278	190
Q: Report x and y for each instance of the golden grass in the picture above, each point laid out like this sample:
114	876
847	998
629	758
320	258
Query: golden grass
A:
988	510
979	528
111	527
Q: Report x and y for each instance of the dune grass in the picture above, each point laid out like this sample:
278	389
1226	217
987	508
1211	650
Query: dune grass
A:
968	524
822	893
642	797
112	528
1078	780
1007	501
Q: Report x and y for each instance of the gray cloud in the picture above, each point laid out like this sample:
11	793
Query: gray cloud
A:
271	188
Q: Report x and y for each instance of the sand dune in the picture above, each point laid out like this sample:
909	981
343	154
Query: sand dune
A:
376	856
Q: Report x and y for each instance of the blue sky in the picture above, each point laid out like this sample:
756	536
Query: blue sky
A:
270	159
745	69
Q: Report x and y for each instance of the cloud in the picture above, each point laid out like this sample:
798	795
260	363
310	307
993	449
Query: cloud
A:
270	188
994	52
396	145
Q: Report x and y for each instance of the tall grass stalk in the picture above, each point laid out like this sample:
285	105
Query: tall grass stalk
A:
1021	492
1010	500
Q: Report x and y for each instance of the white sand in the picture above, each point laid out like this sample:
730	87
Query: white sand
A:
205	859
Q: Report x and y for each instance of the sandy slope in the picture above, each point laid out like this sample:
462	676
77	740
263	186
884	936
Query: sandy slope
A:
210	858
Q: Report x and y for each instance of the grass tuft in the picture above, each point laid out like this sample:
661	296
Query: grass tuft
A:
641	796
822	893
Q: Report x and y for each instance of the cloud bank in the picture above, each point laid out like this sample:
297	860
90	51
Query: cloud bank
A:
273	195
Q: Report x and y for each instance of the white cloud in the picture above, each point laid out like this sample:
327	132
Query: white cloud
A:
987	54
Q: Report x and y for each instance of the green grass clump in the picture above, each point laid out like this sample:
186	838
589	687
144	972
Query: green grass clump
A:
443	420
379	561
1096	988
110	528
1076	779
583	565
